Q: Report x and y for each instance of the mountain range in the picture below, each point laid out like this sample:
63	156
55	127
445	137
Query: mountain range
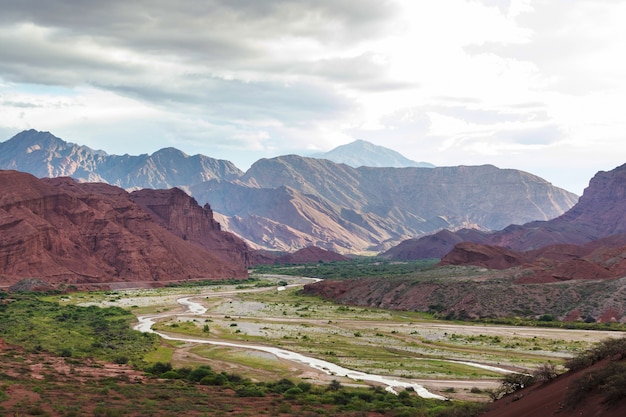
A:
572	267
291	202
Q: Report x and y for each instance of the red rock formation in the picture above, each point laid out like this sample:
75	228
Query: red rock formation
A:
492	257
181	214
311	254
61	231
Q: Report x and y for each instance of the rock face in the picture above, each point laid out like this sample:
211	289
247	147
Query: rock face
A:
554	263
65	232
181	214
585	268
290	202
361	153
558	397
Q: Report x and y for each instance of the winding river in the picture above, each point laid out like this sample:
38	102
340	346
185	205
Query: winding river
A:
146	322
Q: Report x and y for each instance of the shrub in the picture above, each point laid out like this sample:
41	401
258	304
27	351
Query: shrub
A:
515	382
159	368
293	392
545	372
250	391
215	379
334	385
305	386
170	375
197	374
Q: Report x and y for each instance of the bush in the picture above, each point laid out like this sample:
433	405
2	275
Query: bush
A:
170	375
545	372
197	374
515	382
250	391
159	368
293	392
215	379
510	384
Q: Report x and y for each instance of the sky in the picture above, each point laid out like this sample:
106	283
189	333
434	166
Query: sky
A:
538	86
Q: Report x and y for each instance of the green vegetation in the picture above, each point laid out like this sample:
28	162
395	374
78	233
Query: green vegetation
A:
198	391
357	268
215	282
73	331
552	324
77	334
609	382
322	399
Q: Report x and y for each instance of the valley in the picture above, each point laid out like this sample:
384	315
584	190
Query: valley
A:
243	323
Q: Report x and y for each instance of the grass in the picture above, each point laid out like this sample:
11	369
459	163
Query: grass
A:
73	331
161	354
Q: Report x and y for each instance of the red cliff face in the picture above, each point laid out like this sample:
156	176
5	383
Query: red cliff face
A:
61	231
181	214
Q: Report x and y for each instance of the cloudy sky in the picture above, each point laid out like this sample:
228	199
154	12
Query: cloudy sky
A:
532	85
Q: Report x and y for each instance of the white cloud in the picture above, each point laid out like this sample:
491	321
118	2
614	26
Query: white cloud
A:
518	83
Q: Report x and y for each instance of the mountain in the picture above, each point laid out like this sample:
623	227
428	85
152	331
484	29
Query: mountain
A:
362	153
571	267
598	214
433	246
68	233
361	209
44	155
291	202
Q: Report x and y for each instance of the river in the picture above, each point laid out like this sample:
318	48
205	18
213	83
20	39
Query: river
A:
392	385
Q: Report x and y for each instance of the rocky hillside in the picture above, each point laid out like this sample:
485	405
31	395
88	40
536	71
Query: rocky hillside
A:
591	239
470	293
362	153
290	202
598	214
64	232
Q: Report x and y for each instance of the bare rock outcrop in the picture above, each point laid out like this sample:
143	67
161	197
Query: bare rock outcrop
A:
64	232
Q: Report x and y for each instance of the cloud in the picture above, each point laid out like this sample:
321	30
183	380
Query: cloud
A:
577	49
461	81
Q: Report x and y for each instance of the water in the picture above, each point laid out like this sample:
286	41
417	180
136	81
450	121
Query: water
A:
392	385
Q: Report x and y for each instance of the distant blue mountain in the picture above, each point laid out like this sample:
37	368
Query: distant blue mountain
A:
362	153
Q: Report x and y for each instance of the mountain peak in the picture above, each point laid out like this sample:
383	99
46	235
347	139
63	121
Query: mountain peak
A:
364	153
